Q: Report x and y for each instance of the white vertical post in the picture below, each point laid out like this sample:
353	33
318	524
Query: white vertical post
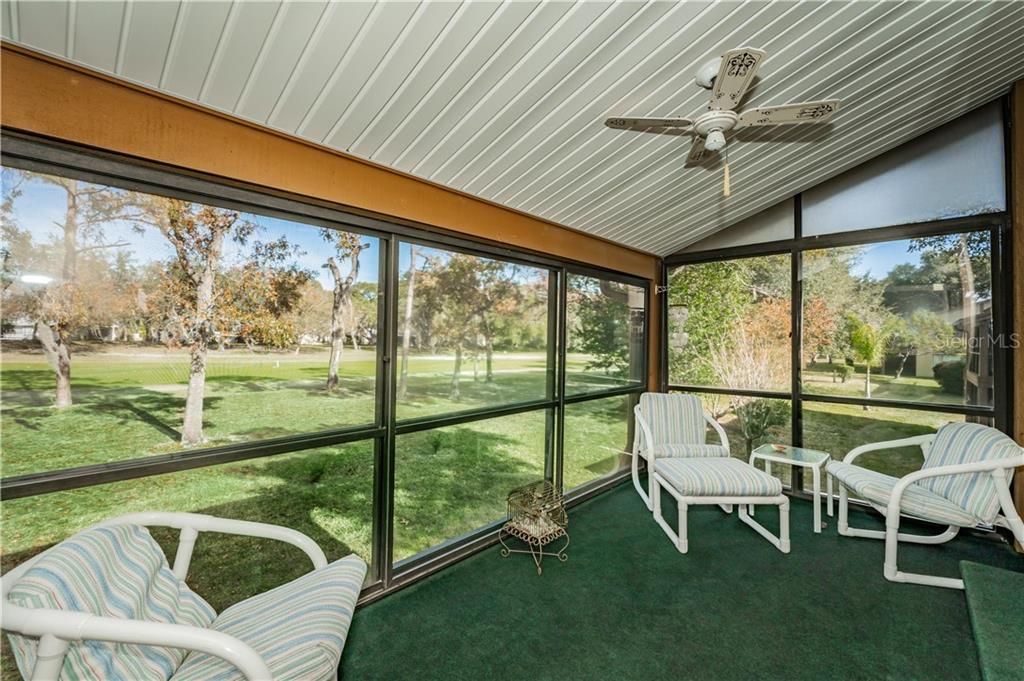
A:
49	658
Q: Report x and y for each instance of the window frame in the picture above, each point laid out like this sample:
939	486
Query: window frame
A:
32	153
997	225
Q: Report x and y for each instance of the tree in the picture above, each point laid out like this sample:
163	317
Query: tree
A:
457	280
603	319
257	297
346	246
924	331
198	234
869	342
410	293
58	307
712	298
498	297
756	418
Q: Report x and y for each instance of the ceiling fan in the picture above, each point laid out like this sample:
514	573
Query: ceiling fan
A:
728	78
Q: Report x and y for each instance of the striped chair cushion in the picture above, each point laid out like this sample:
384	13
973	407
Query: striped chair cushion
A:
717	477
916	500
298	628
113	572
683	451
968	443
673	419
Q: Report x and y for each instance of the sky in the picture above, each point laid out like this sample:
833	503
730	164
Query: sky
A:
41	205
877	260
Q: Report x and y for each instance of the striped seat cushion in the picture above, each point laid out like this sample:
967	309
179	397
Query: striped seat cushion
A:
683	451
113	572
712	477
298	628
673	419
968	443
916	500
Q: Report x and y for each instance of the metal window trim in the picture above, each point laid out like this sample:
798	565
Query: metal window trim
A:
140	467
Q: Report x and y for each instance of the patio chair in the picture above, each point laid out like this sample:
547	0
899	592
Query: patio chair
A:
671	426
965	481
105	604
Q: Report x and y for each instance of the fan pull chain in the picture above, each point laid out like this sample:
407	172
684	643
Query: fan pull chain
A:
725	176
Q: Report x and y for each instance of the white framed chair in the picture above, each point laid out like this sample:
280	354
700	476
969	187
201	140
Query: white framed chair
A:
964	481
671	436
671	425
105	604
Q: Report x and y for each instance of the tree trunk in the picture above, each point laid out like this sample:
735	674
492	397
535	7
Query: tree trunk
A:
337	344
904	356
403	377
455	374
867	383
966	271
489	349
55	337
192	428
202	333
337	325
55	349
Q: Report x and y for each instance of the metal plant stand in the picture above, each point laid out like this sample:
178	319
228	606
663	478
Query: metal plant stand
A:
536	517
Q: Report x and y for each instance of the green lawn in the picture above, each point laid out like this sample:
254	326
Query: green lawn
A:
819	380
448	481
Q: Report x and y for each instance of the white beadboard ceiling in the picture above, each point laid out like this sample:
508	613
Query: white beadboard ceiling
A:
506	100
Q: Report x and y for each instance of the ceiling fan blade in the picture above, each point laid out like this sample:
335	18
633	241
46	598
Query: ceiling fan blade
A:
805	112
697	152
735	76
645	124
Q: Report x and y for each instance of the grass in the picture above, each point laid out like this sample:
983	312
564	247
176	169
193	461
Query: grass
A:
818	380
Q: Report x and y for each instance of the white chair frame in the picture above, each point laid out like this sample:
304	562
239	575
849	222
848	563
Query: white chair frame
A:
680	538
648	439
1001	471
57	628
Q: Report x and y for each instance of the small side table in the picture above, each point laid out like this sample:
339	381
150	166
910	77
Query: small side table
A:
804	458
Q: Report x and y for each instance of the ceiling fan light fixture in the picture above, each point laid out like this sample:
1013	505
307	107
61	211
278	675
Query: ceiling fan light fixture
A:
715	140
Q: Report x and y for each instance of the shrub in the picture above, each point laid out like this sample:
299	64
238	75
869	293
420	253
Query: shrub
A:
843	371
757	417
950	376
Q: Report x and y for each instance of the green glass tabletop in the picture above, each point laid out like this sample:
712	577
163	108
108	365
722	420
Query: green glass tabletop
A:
794	454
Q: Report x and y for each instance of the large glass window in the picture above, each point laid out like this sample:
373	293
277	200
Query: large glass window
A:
605	334
729	324
838	428
907	320
140	329
173	324
473	332
326	493
450	481
597	432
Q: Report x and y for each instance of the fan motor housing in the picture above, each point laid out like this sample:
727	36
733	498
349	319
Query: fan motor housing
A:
719	119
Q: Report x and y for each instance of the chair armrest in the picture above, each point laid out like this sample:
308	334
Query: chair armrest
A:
78	626
718	429
919	440
647	437
191	524
993	466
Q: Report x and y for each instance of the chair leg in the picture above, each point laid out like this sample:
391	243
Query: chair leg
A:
892	572
682	536
726	507
636	482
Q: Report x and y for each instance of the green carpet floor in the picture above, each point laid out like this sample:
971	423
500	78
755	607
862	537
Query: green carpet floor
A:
628	606
995	598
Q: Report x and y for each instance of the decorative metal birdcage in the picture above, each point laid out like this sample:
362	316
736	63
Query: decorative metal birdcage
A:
536	517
